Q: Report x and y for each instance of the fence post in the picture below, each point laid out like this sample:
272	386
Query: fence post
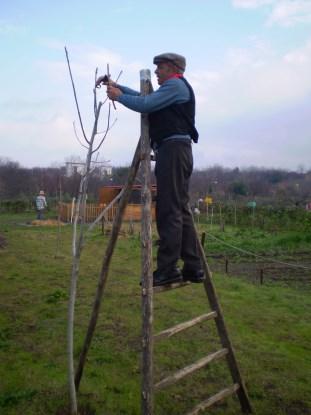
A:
203	239
227	265
261	276
235	217
212	214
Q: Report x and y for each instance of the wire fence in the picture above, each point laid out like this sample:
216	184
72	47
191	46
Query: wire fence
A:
260	267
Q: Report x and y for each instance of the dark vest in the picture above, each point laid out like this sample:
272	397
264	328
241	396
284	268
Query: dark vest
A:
174	119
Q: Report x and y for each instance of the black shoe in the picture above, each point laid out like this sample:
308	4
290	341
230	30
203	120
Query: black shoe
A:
166	277
193	275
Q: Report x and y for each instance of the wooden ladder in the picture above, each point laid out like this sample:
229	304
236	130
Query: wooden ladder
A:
148	339
142	159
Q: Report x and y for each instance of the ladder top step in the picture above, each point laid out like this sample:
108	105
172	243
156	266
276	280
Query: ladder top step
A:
169	287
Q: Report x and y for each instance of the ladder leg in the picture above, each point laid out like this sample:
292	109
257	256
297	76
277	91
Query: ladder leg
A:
223	333
146	260
106	262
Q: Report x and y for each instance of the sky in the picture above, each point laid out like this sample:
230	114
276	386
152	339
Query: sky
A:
249	62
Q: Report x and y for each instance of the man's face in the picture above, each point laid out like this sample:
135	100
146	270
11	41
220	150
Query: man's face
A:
164	71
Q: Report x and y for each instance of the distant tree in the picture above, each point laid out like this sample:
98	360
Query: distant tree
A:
239	189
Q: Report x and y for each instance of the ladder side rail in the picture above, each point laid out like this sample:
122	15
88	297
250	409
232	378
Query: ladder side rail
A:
106	262
223	332
146	258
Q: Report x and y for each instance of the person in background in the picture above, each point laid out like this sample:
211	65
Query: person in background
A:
41	205
171	111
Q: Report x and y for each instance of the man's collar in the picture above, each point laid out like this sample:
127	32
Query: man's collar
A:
175	75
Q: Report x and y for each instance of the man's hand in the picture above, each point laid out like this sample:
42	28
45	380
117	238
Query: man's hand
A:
104	80
113	92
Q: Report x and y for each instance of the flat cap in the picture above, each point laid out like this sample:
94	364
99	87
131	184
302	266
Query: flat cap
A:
174	58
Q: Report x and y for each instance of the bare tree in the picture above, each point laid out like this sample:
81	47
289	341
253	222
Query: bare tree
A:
92	144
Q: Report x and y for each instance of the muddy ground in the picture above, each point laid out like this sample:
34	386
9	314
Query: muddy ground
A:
290	270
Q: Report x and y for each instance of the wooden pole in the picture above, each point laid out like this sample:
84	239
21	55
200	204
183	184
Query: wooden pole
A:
106	262
146	259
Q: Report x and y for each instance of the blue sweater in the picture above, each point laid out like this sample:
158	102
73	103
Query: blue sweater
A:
172	91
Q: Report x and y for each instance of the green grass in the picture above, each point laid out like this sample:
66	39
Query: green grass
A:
256	240
269	327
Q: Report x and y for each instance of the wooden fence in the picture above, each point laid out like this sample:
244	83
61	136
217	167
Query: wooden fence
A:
132	212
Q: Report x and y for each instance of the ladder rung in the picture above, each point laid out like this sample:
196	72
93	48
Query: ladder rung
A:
168	287
190	369
213	399
183	326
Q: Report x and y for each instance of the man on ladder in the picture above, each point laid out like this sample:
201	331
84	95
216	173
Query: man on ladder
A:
172	129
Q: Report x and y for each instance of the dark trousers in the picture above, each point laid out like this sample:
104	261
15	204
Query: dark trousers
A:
174	222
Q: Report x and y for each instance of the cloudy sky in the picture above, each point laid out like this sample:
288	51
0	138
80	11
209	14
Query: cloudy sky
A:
249	62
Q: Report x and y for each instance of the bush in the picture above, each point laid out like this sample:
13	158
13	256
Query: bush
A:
14	206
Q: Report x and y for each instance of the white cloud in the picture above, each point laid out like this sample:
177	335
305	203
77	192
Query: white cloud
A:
41	127
301	56
251	4
288	13
46	136
283	12
251	83
84	59
253	80
7	28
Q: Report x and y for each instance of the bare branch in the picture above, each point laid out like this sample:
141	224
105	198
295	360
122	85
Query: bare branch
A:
111	126
94	92
106	132
77	137
94	132
120	73
75	95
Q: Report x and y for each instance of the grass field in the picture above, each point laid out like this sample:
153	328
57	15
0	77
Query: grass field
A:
269	326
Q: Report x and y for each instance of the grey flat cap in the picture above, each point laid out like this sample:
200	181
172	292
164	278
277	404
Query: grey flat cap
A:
174	58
